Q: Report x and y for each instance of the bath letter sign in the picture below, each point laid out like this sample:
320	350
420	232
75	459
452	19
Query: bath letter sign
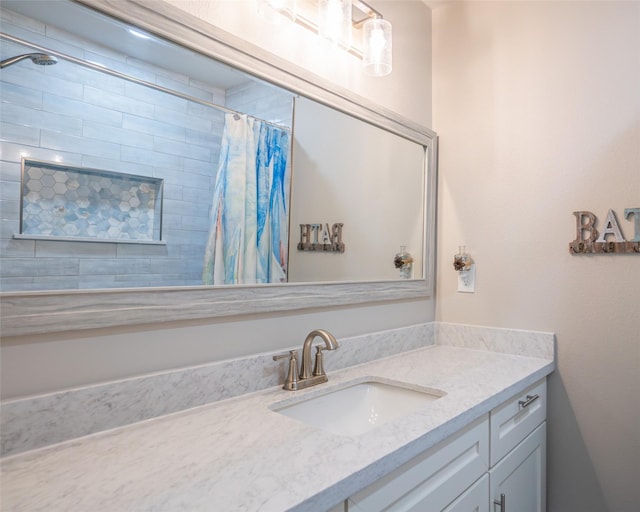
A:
610	239
319	238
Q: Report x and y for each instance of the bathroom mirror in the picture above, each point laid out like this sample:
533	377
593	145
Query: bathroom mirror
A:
338	280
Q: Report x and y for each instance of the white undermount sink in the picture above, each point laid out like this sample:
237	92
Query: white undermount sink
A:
359	406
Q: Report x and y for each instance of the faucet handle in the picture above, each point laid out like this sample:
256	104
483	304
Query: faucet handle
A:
290	354
291	382
318	367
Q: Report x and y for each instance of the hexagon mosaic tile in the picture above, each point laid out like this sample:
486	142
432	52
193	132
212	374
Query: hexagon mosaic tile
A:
61	201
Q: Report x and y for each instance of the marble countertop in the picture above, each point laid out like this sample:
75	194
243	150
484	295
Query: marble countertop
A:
239	455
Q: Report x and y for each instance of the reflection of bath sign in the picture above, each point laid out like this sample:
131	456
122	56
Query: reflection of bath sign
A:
318	237
611	239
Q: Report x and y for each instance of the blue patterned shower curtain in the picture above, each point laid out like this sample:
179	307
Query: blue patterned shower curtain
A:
249	225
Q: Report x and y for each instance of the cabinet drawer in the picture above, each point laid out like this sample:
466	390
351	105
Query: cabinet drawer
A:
431	481
516	419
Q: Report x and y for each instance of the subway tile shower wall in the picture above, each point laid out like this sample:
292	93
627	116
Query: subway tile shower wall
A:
72	115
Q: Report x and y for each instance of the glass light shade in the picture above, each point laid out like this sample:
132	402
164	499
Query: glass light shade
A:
334	21
277	11
376	47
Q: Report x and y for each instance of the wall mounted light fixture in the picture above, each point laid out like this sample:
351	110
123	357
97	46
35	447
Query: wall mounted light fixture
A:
376	47
352	25
334	21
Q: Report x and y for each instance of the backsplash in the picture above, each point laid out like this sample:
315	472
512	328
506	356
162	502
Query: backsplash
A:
507	341
34	422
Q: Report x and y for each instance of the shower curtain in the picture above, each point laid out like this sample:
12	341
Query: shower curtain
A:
249	225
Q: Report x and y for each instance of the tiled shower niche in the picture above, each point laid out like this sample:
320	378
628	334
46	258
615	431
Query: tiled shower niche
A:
72	203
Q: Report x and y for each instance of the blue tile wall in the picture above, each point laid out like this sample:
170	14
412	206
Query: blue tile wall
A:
74	116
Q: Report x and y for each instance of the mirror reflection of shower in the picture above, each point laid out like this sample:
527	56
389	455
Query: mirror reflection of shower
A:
146	107
41	59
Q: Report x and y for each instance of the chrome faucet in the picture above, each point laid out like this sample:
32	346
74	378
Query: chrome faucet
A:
308	377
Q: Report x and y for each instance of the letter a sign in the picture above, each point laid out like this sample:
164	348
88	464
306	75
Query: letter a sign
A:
610	239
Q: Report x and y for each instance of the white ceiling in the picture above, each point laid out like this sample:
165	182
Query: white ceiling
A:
436	3
100	29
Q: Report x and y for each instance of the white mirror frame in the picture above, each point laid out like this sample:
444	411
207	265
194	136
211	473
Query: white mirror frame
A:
24	313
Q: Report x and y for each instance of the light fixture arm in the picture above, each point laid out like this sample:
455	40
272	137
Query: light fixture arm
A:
367	10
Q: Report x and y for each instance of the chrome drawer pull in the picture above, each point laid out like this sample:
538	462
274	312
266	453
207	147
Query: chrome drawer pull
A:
529	400
502	503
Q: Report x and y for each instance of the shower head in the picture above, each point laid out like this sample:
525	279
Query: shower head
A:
41	59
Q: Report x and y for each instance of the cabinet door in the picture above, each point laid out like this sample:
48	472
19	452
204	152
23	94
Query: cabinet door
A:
433	480
474	499
520	476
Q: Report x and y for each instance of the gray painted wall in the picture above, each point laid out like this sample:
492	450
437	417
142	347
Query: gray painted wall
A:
537	108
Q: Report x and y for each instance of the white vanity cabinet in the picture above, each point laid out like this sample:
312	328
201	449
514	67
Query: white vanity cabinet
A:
501	454
518	452
432	480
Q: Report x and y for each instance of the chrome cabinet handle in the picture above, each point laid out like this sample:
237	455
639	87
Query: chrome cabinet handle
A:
502	503
529	400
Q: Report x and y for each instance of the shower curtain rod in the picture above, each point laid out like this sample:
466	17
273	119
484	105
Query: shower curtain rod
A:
133	79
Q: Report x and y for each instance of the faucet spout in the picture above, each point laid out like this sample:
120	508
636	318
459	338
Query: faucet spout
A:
330	343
